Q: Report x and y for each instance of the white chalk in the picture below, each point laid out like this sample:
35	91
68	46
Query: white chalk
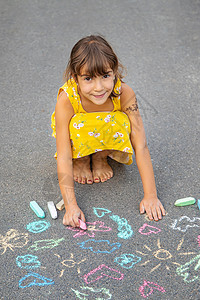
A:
52	209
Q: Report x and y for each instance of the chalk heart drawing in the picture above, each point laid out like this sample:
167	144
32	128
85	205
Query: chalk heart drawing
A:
32	279
45	244
28	261
92	227
99	246
100	212
89	293
102	271
38	226
184	223
13	239
148	288
124	229
127	261
190	270
148	229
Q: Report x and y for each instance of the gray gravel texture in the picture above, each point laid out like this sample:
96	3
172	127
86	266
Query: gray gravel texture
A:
158	41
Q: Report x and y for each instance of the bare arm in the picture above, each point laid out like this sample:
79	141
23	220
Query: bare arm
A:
63	114
150	203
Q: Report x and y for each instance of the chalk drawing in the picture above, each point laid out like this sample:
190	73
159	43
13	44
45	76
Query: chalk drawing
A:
198	239
38	226
103	293
148	229
32	279
184	223
124	229
92	227
69	263
100	212
150	287
162	255
45	244
28	261
99	246
13	239
190	270
103	271
127	260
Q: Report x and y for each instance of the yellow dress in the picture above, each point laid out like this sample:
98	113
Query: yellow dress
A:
97	131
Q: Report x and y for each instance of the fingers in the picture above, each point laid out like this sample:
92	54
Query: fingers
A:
142	209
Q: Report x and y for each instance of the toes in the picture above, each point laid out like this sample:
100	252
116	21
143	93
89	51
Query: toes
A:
96	179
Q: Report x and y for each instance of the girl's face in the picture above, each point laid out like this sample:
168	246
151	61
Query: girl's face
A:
96	89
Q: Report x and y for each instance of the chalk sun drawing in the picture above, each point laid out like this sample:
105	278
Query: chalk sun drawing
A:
99	246
163	255
13	239
150	287
184	223
92	228
45	244
69	263
103	271
124	229
32	279
148	229
127	260
38	226
100	293
28	261
190	270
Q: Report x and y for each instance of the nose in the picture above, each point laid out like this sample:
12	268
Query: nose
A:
98	86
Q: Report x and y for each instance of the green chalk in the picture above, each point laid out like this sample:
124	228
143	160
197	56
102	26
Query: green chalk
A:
185	201
37	209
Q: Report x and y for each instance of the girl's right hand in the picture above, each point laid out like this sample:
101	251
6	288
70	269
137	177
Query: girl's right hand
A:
72	214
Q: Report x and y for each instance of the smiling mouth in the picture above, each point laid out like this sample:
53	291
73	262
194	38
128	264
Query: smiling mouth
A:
100	96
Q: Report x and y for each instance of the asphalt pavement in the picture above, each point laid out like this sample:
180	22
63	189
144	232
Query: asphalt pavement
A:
122	255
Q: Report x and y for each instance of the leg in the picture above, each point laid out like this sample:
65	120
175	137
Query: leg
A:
100	168
81	170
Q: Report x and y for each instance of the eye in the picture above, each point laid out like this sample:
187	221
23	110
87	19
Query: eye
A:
106	76
87	78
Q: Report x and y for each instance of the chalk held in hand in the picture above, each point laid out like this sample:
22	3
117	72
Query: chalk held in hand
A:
37	209
185	201
82	224
52	209
198	203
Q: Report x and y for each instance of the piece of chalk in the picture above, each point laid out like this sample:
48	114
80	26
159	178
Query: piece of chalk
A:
82	224
198	203
60	205
37	209
185	201
52	209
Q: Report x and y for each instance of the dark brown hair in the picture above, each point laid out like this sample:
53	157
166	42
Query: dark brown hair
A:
95	52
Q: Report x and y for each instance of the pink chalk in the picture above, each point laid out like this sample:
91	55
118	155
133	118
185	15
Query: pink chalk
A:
82	224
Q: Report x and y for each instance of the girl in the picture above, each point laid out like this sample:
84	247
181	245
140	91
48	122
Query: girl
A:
96	116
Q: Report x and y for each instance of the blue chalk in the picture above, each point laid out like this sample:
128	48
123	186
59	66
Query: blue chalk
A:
198	203
37	209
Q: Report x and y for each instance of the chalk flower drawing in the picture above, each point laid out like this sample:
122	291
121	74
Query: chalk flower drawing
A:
13	239
92	227
184	223
163	255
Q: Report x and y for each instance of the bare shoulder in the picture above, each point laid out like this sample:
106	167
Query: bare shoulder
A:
64	109
128	99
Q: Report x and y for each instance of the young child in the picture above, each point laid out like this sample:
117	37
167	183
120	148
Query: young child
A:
97	116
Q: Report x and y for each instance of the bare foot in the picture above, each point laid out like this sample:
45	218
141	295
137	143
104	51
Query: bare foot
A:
81	169
100	168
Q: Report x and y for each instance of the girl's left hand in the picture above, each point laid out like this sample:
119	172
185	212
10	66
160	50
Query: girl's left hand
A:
153	208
